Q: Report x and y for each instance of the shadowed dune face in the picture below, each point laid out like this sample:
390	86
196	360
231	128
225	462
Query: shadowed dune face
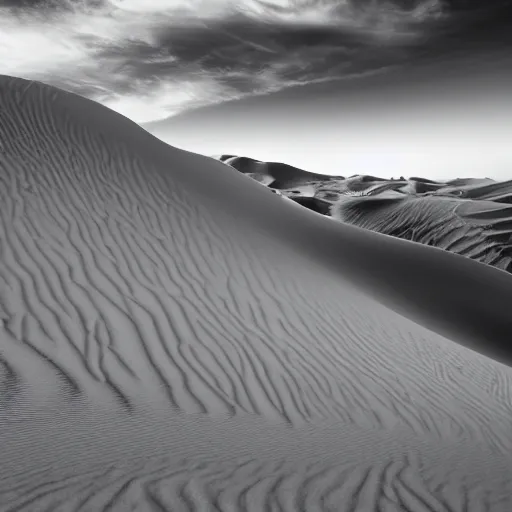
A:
481	230
175	337
465	216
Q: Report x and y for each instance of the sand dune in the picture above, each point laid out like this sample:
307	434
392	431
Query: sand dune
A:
470	217
176	337
481	230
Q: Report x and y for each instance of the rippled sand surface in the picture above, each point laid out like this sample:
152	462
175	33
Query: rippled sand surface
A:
175	337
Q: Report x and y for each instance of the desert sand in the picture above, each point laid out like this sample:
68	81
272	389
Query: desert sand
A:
176	337
471	217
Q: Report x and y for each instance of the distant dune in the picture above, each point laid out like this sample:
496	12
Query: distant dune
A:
174	337
471	217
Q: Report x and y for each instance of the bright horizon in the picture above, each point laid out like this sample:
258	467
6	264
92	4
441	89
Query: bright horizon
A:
420	126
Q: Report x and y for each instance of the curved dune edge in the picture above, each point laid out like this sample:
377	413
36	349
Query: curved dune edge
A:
176	337
470	217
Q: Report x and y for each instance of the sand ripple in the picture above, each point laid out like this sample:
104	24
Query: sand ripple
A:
175	337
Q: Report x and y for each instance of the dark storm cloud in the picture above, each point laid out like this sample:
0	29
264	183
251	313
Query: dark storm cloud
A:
52	4
238	50
150	58
242	46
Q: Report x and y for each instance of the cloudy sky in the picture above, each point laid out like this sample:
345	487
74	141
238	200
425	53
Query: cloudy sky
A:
388	87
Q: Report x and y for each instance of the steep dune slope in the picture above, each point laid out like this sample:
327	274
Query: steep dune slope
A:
465	216
176	337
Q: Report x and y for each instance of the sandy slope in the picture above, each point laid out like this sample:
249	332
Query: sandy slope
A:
471	217
176	337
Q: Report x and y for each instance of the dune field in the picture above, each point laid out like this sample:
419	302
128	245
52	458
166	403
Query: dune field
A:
176	337
467	216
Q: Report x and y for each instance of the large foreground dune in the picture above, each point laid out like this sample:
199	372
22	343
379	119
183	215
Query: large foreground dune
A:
176	337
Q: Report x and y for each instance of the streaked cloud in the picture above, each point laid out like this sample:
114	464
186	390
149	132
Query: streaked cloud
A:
150	59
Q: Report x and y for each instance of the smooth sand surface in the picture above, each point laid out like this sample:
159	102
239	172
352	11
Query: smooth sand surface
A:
175	337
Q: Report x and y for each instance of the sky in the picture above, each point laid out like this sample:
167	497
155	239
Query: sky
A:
382	87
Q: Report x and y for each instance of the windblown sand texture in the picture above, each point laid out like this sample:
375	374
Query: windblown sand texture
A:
471	217
175	337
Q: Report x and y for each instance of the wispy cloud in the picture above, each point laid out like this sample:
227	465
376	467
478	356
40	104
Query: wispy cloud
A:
149	59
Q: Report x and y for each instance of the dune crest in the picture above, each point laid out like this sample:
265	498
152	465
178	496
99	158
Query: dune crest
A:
469	217
174	336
